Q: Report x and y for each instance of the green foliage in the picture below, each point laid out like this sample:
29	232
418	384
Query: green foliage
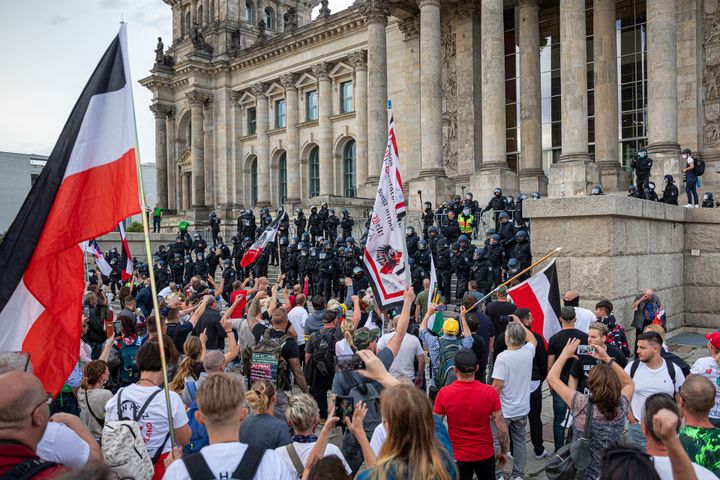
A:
135	227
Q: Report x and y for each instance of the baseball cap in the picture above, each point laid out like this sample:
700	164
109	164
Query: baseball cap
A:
502	292
451	327
567	313
714	339
465	361
364	337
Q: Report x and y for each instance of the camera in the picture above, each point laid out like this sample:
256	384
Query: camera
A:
441	308
344	408
585	350
348	363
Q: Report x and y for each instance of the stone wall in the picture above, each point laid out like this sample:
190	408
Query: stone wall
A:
614	246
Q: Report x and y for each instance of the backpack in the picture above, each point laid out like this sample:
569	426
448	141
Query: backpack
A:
27	470
446	364
198	469
129	371
668	364
123	446
323	351
199	437
264	361
699	165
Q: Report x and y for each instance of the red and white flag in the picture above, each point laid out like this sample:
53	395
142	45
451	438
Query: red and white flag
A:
266	237
541	295
126	259
385	256
93	249
88	185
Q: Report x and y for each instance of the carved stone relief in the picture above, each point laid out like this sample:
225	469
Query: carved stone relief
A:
711	77
449	87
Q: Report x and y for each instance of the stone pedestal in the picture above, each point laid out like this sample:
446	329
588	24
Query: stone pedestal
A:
483	182
666	161
612	177
436	188
572	178
533	181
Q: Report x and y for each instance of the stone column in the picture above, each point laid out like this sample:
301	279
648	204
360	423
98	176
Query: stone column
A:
325	134
197	100
263	159
662	88
494	171
575	173
171	160
376	13
532	176
208	148
607	158
358	61
430	88
160	112
291	121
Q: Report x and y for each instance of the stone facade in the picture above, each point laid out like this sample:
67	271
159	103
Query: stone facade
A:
252	113
614	246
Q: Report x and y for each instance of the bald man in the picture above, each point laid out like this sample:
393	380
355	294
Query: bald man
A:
24	415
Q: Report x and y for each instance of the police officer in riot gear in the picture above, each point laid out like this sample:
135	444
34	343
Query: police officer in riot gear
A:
411	238
496	256
324	214
506	231
346	223
460	263
359	280
708	201
521	249
466	221
284	244
213	261
162	275
633	192
512	269
433	234
482	271
314	268
229	275
422	256
498	203
642	164
520	221
300	222
597	190
465	245
199	244
303	264
650	194
189	269
451	230
292	264
670	192
428	217
331	225
442	264
535	195
201	265
470	203
176	269
315	223
224	250
284	225
214	226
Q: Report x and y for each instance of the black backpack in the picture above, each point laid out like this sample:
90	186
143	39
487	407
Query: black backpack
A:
198	468
699	166
27	470
668	364
323	351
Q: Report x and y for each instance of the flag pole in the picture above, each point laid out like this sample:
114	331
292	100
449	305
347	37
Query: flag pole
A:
153	287
554	252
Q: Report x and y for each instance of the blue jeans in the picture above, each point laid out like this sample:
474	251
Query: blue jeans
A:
691	189
635	436
559	413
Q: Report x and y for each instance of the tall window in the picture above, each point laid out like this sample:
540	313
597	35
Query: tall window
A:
280	114
188	22
349	168
200	15
251	121
311	105
249	12
212	11
512	83
550	104
282	177
254	182
314	161
269	18
189	134
346	97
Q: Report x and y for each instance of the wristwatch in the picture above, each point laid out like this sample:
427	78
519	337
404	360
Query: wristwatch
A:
610	362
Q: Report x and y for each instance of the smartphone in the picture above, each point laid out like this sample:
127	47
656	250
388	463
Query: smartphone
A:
585	350
348	363
86	311
344	407
441	308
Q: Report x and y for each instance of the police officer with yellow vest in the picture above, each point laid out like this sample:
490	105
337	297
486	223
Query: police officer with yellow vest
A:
466	221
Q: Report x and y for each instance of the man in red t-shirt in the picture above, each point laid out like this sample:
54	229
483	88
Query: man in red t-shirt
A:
22	424
469	405
239	289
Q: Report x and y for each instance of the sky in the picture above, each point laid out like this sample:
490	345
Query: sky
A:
49	50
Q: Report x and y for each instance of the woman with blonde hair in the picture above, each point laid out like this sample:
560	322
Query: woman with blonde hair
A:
411	450
261	429
92	397
190	366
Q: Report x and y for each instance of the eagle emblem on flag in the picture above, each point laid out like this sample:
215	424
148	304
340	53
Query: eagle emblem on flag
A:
388	257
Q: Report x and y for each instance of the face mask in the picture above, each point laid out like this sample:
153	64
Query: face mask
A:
572	303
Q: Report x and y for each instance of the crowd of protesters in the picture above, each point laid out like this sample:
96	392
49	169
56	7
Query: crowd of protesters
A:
272	379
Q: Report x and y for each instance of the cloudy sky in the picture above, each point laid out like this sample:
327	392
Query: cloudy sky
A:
50	48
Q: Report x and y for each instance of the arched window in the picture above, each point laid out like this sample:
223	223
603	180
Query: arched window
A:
349	168
314	162
212	11
282	178
269	18
188	22
254	182
249	12
189	134
200	15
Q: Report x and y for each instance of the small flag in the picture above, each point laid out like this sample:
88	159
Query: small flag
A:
541	295
89	184
266	237
93	249
433	282
126	259
435	323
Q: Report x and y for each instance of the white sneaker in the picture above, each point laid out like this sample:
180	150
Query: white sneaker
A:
697	206
689	205
518	478
509	455
544	454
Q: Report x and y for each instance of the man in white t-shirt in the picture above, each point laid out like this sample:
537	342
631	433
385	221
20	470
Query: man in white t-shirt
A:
512	375
660	425
404	362
220	402
650	373
297	317
68	442
583	316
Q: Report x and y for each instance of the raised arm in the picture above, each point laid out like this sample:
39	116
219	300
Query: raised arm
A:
348	292
430	312
195	317
465	328
402	324
226	323
357	314
529	337
553	377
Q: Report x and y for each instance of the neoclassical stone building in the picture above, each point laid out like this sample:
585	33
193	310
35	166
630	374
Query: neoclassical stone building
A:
258	105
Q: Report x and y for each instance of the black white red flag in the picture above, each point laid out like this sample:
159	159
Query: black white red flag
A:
541	295
88	185
385	256
266	237
126	260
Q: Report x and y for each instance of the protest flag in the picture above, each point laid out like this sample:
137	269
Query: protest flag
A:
126	260
266	237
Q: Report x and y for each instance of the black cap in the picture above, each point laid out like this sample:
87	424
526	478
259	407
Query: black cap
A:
465	361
